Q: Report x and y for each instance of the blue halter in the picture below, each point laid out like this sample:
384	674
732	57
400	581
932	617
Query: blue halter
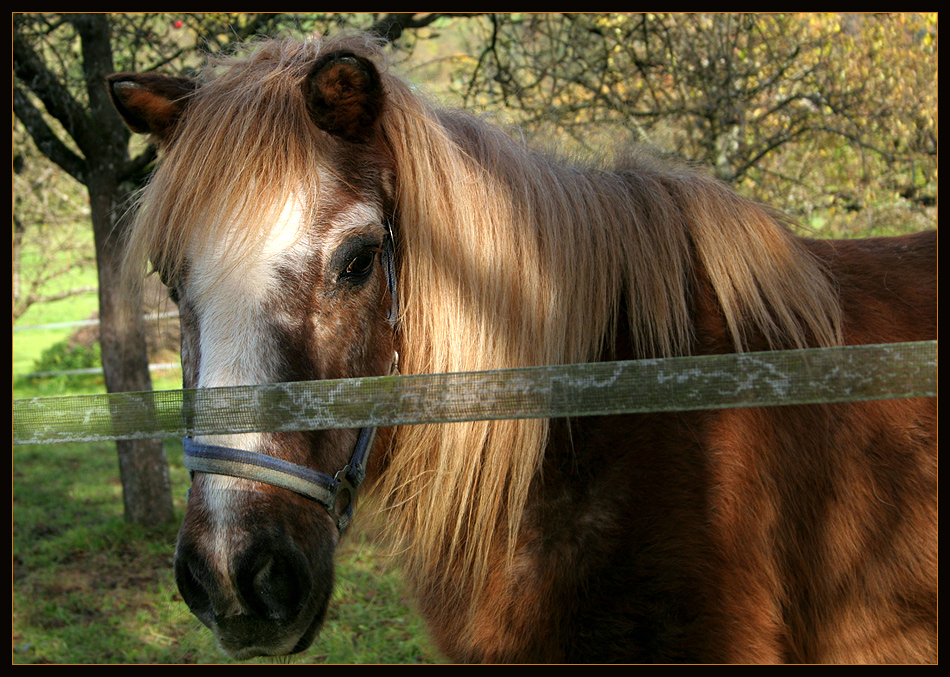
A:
336	494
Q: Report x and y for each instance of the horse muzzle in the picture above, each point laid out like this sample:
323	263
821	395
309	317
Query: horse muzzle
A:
262	591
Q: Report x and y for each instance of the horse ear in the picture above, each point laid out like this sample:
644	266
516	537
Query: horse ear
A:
150	103
344	95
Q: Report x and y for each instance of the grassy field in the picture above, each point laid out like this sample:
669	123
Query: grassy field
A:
90	588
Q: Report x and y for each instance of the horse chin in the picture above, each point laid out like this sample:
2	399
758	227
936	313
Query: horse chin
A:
266	641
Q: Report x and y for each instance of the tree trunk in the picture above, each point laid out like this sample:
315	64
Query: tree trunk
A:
142	465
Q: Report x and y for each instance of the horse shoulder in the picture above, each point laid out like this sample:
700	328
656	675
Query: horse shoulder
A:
787	534
830	510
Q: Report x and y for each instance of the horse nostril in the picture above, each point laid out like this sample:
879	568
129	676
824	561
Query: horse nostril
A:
194	591
273	585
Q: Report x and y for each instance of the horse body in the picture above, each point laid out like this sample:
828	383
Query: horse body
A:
738	535
803	533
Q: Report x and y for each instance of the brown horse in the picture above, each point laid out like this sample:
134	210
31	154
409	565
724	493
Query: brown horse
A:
304	187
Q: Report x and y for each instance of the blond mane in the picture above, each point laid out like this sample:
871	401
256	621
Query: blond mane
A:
507	258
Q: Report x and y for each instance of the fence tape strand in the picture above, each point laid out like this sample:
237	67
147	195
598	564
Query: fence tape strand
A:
839	374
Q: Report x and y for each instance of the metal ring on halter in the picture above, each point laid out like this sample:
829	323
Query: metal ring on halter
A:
325	490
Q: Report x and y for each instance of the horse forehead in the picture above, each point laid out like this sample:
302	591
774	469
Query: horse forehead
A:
293	230
345	219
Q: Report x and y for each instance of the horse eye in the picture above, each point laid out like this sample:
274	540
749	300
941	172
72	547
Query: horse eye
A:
361	265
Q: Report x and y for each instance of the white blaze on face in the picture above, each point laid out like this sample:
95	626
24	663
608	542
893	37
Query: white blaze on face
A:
230	293
231	296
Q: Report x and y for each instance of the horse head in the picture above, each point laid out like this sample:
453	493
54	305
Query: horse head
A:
269	218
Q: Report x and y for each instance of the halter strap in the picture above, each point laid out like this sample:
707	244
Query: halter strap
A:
325	490
252	465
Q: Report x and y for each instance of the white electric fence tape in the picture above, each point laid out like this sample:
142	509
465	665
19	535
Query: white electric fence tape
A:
840	374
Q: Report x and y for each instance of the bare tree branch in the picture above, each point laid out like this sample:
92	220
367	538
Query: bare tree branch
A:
391	26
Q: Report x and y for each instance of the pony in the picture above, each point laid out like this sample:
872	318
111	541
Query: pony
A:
314	215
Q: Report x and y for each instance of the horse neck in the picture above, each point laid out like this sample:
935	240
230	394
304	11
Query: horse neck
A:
512	259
